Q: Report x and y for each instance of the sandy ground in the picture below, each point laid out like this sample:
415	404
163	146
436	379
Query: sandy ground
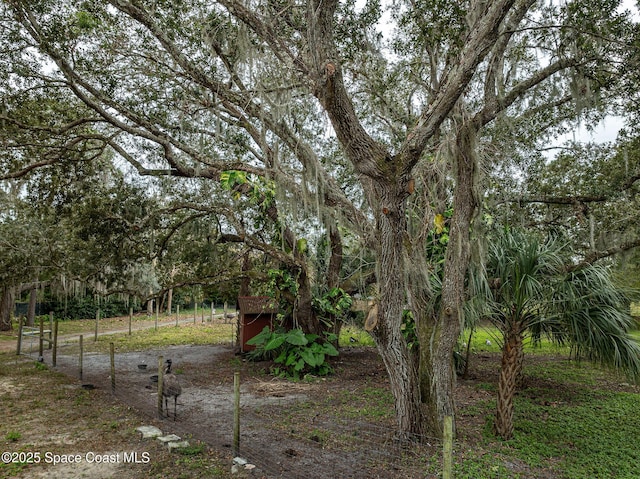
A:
205	410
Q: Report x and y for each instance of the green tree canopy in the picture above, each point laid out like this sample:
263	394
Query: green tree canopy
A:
377	135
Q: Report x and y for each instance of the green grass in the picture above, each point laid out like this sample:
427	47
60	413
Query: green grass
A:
490	333
13	436
367	403
571	422
586	436
196	334
353	336
566	371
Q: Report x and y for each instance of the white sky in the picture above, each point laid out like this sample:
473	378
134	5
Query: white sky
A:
605	131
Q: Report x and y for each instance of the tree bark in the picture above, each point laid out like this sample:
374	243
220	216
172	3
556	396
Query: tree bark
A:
304	315
399	361
508	382
438	331
31	311
169	300
520	368
7	306
335	259
437	371
245	282
333	273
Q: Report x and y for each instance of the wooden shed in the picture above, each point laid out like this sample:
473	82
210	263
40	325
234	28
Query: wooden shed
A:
255	312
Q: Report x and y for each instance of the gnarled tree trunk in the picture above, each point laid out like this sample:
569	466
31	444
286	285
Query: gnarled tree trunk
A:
392	345
303	313
438	332
437	372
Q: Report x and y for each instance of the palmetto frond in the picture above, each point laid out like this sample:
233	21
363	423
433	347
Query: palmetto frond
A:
513	288
525	288
525	285
594	319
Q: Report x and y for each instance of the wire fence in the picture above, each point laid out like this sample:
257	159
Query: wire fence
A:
28	340
278	442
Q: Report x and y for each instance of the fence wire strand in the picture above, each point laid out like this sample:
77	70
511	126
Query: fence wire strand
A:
329	447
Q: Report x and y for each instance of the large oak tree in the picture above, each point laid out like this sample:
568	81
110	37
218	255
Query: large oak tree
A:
272	88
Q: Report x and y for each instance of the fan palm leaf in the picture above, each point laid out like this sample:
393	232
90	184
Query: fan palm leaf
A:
525	288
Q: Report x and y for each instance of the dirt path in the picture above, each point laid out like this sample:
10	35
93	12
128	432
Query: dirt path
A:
333	428
205	410
288	430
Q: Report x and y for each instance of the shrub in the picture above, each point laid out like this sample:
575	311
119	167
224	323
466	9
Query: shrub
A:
295	353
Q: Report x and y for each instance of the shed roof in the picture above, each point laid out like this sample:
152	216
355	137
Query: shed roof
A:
257	305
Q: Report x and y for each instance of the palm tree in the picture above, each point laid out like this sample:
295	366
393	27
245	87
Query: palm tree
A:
527	289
